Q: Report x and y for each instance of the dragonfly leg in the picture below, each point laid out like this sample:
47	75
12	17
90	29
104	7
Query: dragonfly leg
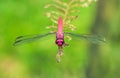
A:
65	44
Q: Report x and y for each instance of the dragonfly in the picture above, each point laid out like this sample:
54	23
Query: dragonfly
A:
60	42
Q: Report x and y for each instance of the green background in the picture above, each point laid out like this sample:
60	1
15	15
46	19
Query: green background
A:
37	59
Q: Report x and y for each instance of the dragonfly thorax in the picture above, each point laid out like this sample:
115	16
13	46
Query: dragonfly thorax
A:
59	35
59	39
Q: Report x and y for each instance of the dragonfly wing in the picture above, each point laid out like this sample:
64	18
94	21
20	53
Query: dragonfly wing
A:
29	38
92	38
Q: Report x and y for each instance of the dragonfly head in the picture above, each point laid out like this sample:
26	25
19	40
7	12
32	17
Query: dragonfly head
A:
59	42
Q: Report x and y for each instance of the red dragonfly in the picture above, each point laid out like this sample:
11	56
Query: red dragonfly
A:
59	38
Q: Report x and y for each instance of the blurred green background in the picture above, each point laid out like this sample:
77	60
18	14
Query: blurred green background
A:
80	60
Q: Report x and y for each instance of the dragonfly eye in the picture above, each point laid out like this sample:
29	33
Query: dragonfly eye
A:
59	42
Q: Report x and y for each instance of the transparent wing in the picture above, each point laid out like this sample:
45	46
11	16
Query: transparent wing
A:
29	38
92	38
